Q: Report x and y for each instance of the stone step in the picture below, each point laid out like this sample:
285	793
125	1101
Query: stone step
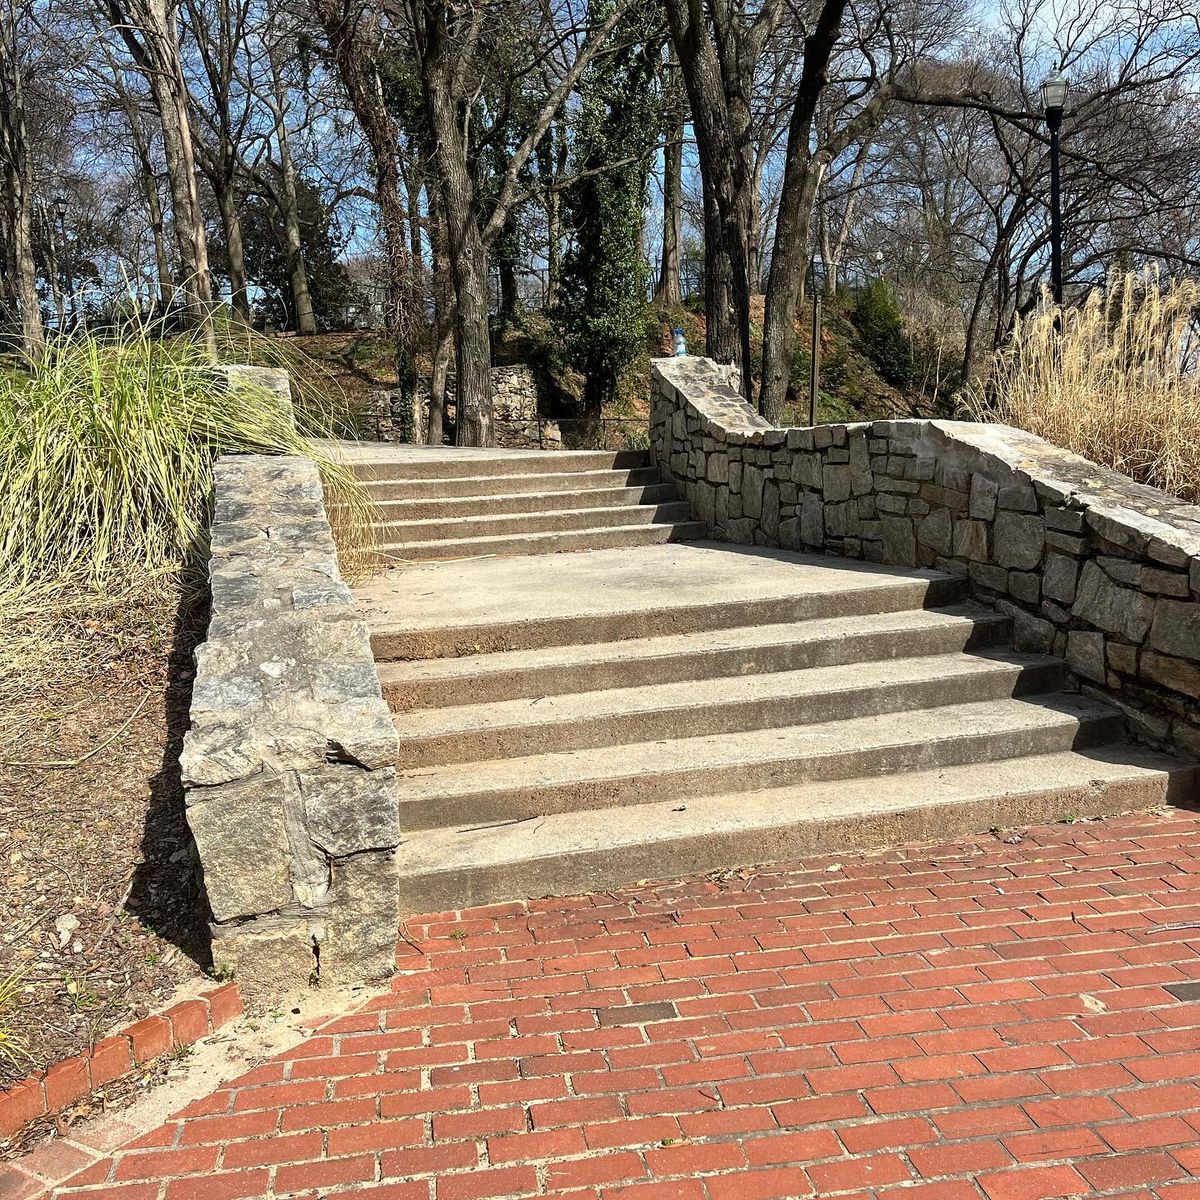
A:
404	533
624	715
494	605
449	508
603	538
518	789
458	487
706	654
568	853
415	463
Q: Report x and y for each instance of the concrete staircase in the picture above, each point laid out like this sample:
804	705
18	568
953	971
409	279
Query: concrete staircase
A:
575	721
518	502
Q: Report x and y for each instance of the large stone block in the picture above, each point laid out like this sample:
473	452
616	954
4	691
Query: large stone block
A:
1176	628
268	957
1175	673
935	531
347	810
1085	654
356	935
835	483
1108	606
1060	577
1019	540
241	834
971	540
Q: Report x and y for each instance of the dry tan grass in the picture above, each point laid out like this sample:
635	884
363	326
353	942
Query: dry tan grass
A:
1118	385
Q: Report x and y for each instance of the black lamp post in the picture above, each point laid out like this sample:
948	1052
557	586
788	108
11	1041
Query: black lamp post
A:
1054	100
60	211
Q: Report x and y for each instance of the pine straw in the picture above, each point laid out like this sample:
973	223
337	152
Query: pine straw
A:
1119	384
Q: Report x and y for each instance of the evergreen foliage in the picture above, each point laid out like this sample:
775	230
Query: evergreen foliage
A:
601	312
881	332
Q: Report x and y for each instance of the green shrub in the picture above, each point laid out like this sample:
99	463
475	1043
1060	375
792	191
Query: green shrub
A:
881	332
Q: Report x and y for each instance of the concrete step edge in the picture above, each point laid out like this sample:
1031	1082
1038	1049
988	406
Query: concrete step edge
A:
434	642
625	716
450	466
542	543
570	853
613	517
706	654
564	501
889	743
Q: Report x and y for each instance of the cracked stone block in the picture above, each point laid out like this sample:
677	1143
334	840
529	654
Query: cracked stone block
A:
357	934
241	835
1085	654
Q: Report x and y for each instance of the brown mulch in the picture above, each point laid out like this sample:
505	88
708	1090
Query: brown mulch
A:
102	913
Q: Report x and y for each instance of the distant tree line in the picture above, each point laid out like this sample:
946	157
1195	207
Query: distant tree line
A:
465	161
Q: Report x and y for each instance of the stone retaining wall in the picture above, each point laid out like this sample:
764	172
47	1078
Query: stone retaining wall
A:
514	407
289	765
1088	564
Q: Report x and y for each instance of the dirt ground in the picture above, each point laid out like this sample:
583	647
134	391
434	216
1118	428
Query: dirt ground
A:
102	914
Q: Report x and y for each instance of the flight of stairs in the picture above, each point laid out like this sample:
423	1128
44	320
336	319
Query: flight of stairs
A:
520	502
570	722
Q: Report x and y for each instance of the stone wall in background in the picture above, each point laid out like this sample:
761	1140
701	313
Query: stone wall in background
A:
289	764
515	409
1088	564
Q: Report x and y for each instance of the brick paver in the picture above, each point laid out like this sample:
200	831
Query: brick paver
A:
986	1020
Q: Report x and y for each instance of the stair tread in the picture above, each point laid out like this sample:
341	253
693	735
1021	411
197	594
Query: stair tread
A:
451	851
808	682
603	483
538	539
627	496
846	737
485	520
817	629
602	583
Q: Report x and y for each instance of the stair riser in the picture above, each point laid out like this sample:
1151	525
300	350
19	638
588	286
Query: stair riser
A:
701	664
407	534
527	803
548	463
482	486
491	506
619	729
600	869
904	594
555	543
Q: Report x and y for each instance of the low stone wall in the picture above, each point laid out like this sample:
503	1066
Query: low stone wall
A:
515	412
289	765
1088	564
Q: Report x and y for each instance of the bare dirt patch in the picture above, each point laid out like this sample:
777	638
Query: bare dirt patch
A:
102	913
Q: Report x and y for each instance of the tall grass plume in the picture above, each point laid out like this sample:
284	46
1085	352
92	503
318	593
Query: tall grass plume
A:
1119	384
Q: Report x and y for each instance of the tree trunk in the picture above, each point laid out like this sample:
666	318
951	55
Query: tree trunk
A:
801	179
358	74
18	193
727	186
669	291
467	253
148	29
231	223
306	321
444	322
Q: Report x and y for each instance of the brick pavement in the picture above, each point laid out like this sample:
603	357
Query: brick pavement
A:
983	1020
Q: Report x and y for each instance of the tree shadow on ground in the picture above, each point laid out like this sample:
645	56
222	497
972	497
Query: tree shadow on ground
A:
167	892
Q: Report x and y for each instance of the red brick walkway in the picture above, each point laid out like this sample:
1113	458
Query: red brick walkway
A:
977	1020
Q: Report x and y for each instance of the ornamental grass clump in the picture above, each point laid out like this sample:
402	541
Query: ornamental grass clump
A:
106	453
1118	384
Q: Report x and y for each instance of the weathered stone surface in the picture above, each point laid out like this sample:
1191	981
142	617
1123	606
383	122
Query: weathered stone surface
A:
983	498
1108	606
935	530
1175	673
971	540
1176	628
752	490
353	942
289	762
270	956
1019	540
242	838
1085	654
1086	562
1060	577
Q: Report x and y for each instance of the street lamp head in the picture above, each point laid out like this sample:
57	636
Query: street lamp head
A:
60	207
1054	93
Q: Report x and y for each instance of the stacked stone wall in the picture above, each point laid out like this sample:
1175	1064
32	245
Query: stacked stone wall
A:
1088	564
289	764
